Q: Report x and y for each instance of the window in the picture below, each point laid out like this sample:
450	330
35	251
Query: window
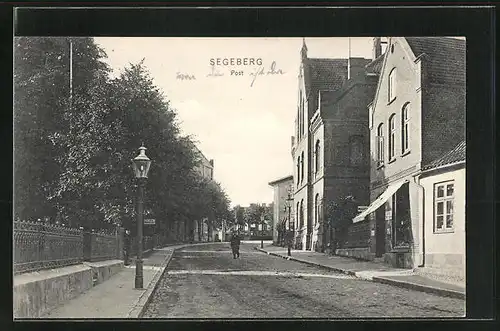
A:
380	144
316	209
392	136
297	212
443	206
301	114
303	122
298	170
356	150
301	214
405	128
316	156
392	85
302	167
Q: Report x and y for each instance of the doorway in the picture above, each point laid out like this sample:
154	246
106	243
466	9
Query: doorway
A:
380	232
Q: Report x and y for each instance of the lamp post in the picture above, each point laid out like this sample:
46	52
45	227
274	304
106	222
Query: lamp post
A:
261	231
289	234
141	164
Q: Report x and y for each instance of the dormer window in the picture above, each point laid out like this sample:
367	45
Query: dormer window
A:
392	85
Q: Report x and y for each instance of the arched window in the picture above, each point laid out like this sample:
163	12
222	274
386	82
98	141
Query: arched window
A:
301	213
392	136
297	211
405	128
356	153
391	88
317	154
298	170
316	209
380	144
302	167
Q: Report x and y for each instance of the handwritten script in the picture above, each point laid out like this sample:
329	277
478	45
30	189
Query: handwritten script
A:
258	71
261	72
215	72
185	76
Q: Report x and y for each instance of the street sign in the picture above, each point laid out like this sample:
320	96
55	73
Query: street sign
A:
149	221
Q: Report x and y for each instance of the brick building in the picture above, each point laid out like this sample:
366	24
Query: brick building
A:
331	144
417	115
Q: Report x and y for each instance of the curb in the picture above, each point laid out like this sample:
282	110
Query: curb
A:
140	306
421	288
291	258
382	280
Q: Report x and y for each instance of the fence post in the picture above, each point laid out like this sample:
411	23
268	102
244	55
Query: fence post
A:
87	245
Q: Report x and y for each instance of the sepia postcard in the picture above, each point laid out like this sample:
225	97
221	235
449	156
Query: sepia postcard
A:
242	177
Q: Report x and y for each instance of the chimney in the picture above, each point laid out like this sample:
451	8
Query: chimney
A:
377	47
357	66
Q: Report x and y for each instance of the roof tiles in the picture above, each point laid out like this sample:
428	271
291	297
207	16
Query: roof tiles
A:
446	58
325	74
457	154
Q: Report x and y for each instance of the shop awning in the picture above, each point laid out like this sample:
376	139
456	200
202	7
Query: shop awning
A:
391	189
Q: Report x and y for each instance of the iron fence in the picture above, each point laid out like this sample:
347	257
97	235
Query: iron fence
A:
147	244
102	245
39	245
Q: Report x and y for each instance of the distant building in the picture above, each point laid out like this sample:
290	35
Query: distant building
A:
255	220
417	116
283	206
205	168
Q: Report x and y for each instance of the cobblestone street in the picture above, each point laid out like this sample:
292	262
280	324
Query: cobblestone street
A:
206	282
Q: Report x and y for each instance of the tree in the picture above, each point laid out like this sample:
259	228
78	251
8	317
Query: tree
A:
339	216
73	146
42	102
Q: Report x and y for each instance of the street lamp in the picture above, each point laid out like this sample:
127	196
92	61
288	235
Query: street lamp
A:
141	164
289	234
261	231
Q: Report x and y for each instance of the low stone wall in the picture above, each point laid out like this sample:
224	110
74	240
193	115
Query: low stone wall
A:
102	271
36	293
357	253
399	259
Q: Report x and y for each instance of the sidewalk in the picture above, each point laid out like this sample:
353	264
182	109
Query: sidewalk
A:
117	297
368	270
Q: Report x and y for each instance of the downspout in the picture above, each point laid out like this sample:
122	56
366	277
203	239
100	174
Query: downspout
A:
416	182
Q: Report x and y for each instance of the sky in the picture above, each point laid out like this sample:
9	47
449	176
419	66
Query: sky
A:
243	121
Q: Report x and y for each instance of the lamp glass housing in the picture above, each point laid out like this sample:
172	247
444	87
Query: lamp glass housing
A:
141	164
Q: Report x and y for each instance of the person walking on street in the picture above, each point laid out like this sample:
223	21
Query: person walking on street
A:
235	245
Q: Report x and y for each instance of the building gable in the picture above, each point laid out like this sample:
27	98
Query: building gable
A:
385	70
